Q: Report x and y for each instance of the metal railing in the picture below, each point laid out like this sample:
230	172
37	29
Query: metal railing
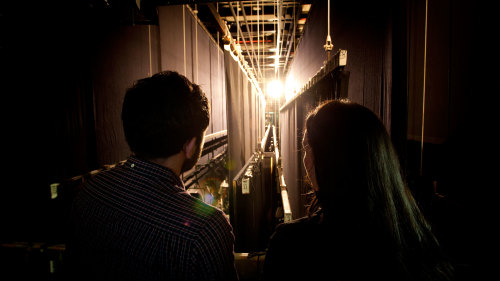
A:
287	211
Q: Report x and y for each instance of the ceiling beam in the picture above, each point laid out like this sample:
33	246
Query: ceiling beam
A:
189	2
242	36
250	38
221	26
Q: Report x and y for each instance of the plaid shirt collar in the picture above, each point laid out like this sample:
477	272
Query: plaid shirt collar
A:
162	174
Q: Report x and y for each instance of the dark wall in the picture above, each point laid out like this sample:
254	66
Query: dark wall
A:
245	118
459	78
65	70
245	107
459	118
47	77
122	56
449	170
364	29
186	47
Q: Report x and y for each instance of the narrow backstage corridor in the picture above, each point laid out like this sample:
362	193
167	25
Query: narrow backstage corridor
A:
426	69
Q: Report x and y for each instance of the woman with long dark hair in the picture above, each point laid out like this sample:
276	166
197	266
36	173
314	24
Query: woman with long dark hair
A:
363	223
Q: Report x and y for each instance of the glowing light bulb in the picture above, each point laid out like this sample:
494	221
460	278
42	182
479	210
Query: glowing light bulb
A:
275	89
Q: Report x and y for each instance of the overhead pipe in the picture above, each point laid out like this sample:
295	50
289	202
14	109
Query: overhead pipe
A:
279	3
291	36
282	29
258	38
250	37
221	26
239	31
230	46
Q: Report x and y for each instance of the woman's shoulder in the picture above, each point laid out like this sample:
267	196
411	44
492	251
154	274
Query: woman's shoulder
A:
291	247
299	227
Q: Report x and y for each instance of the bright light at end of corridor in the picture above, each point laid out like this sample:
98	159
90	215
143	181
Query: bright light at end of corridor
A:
275	89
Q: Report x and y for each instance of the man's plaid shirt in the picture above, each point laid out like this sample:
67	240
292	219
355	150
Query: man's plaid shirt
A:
137	222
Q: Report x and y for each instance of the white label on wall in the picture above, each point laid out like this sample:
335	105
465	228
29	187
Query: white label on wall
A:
245	186
53	190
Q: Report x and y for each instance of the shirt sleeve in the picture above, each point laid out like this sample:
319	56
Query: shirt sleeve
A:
214	250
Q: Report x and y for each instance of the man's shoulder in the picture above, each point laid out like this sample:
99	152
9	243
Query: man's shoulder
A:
204	221
200	209
156	202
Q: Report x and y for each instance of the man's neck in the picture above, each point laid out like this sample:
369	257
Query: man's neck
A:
173	162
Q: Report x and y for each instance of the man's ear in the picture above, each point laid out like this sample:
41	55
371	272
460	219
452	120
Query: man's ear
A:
189	147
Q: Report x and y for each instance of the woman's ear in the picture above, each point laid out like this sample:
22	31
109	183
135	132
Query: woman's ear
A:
190	147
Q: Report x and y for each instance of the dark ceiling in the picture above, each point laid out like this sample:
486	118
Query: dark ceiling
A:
258	26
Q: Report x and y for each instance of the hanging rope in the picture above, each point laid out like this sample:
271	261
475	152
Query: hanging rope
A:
258	39
149	45
184	37
423	90
263	34
196	42
328	18
237	23
328	45
276	39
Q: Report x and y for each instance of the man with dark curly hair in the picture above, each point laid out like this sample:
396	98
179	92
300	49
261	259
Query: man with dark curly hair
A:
136	221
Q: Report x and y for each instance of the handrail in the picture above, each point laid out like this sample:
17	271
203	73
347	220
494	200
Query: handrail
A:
287	211
214	141
276	149
243	169
215	135
264	139
199	171
337	62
